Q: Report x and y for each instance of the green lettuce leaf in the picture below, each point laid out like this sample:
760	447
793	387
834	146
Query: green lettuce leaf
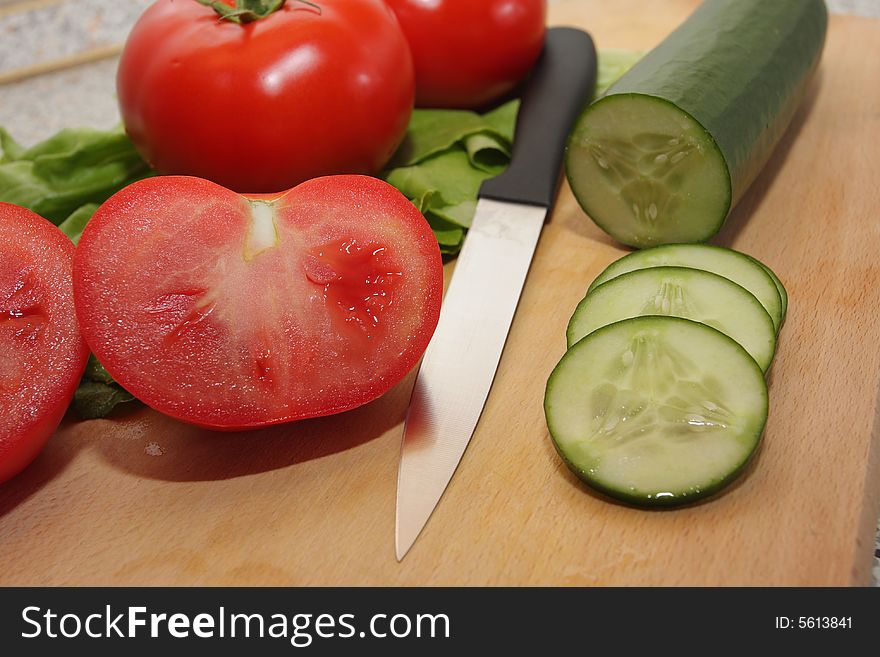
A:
612	64
98	394
71	169
503	119
93	400
445	157
432	131
74	224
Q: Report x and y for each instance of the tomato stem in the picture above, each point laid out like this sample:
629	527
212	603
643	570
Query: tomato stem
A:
248	11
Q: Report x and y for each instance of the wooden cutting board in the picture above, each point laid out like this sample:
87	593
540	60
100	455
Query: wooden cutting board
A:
142	499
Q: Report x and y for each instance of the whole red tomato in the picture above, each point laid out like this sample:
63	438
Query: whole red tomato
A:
468	53
262	106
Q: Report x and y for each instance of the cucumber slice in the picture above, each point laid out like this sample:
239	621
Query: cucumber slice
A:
656	410
680	292
783	293
674	144
738	267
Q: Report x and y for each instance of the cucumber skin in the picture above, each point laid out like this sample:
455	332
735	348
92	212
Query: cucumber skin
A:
700	69
713	490
780	287
634	499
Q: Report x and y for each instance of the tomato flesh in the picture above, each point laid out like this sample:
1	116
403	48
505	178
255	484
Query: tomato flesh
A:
232	312
357	285
42	354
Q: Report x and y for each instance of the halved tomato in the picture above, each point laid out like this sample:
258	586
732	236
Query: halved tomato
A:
42	355
233	311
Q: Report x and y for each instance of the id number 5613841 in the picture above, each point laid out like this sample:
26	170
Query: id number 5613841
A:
814	622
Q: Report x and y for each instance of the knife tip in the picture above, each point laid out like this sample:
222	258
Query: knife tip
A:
401	547
405	535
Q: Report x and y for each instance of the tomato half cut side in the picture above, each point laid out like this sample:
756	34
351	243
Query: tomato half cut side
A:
42	354
232	311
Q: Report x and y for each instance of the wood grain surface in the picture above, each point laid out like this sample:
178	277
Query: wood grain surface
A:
142	499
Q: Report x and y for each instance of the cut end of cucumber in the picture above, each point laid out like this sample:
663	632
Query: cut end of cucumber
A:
638	410
646	172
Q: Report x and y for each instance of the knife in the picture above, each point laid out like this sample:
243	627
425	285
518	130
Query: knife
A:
460	362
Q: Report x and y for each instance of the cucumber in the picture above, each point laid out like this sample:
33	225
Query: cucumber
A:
738	267
656	410
681	292
783	293
674	144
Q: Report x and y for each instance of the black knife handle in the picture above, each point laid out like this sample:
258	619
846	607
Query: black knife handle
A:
556	91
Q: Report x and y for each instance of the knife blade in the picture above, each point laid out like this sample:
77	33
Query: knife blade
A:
459	365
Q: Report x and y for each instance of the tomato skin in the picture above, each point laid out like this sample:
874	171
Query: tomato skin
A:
264	106
468	53
42	354
202	319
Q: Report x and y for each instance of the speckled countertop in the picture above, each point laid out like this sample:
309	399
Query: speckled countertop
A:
39	32
36	33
